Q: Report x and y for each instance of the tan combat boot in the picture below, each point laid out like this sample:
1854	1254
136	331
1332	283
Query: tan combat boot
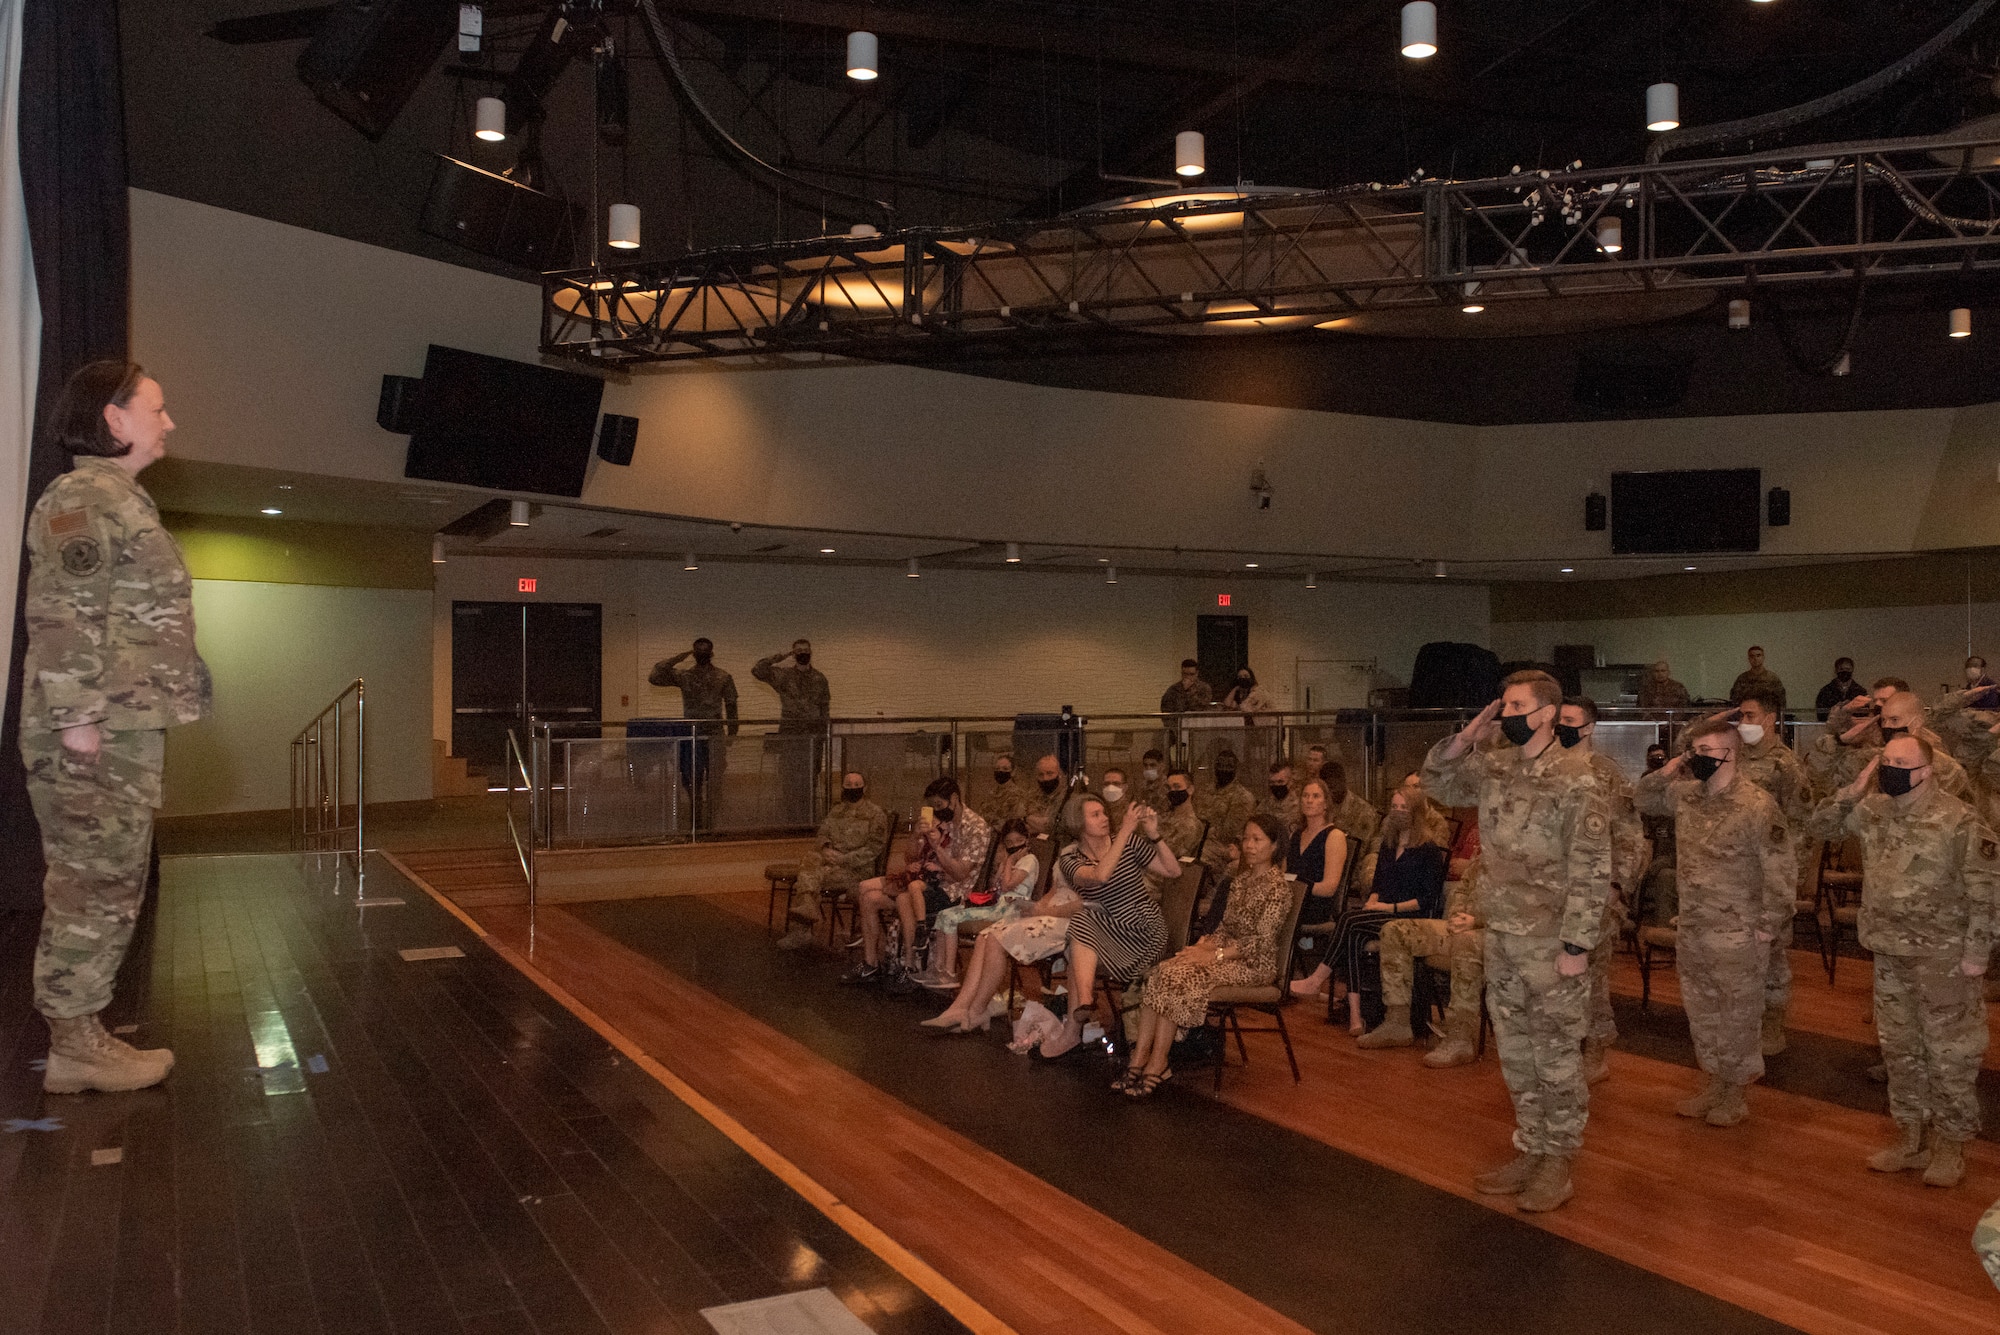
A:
1393	1032
1703	1103
1773	1038
1549	1187
1596	1065
1947	1168
82	1056
1460	1046
1908	1152
1508	1179
797	937
1730	1108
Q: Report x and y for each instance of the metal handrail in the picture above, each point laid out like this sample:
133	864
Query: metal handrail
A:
319	781
524	849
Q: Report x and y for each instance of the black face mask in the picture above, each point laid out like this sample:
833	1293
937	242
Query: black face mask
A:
1568	734
1003	776
1890	734
802	660
1245	684
942	815
1843	676
1048	785
1279	790
1895	780
704	656
1655	762
1224	776
1703	767
1176	796
1516	729
850	794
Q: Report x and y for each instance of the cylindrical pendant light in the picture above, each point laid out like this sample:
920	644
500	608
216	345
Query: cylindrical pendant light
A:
1610	235
1739	313
861	62
517	514
690	563
437	550
1312	579
1961	322
624	231
1420	29
913	572
1439	570
1663	106
1013	553
1111	574
1190	153
489	119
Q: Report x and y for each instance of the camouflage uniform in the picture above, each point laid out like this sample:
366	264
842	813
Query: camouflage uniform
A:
707	692
1628	864
1285	808
1227	810
1179	699
1404	941
1153	792
110	641
1355	818
851	839
1777	769
1043	811
805	702
1180	830
1545	845
1008	801
1832	765
1986	1242
1929	899
1736	879
1751	679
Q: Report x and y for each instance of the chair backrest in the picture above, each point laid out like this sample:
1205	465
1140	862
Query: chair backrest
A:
1288	940
1044	849
1201	843
1355	848
882	858
1178	899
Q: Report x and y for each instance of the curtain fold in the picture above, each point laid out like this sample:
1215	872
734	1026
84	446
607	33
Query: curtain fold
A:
20	326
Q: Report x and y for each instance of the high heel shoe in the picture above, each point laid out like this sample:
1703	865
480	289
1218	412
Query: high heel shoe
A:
946	1020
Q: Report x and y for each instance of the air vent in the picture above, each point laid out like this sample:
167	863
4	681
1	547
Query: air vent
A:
603	532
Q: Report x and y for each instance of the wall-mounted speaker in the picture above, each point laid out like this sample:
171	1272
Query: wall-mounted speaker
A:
368	56
1594	512
617	438
1778	507
496	216
397	409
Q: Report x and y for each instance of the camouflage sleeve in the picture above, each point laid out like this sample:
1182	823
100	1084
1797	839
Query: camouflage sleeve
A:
1981	860
878	834
1456	781
1797	804
1587	875
1462	895
1823	762
73	553
1953	779
729	702
1781	872
1986	1242
1834	819
664	675
761	669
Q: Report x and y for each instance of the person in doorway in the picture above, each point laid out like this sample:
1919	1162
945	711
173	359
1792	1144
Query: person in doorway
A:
1659	690
709	694
1757	675
851	840
1840	690
110	666
805	702
1190	694
1545	837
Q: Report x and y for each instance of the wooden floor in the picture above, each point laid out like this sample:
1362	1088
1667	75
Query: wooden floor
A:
1778	1216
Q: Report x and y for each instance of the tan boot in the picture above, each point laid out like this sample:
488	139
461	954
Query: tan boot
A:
1947	1167
1703	1103
1508	1179
1907	1153
1548	1188
82	1056
798	937
1596	1065
1730	1108
1461	1042
1393	1032
1774	1033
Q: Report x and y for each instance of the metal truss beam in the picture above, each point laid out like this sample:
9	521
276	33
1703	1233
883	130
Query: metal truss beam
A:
1227	262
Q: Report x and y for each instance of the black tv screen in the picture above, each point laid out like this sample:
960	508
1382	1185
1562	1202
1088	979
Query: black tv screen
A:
489	422
1687	510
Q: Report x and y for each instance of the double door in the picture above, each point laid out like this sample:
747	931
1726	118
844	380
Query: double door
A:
514	661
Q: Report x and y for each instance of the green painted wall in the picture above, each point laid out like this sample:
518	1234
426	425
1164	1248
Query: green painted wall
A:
282	551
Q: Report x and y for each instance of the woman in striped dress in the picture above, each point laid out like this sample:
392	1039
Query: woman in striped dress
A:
1119	928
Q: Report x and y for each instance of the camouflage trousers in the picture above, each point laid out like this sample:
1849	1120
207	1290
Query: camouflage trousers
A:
1986	1242
1404	941
1603	1024
1722	976
815	874
1778	963
1539	1022
1932	1021
96	814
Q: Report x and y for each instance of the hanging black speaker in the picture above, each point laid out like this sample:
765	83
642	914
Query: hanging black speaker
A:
368	56
617	438
1778	507
397	409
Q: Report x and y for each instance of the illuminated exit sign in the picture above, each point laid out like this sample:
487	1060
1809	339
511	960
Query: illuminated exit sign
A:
527	586
1221	599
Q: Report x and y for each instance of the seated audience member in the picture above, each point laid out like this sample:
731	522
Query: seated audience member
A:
1009	800
850	839
1348	812
1189	694
1180	829
1045	802
1280	800
1409	883
944	865
1040	933
1225	805
1115	792
1007	891
1243	952
1659	690
1152	787
1118	928
1317	855
1440	824
1455	943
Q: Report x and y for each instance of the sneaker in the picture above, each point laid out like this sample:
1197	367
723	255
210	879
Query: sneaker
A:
864	975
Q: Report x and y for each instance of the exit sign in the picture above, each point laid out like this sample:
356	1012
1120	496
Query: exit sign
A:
1221	599
527	586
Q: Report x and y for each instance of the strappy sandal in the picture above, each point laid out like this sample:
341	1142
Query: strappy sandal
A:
1147	1085
1126	1079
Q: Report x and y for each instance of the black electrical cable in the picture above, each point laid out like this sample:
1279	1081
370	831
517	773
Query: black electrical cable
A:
1772	122
669	55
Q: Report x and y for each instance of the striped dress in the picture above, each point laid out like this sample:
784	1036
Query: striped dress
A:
1119	919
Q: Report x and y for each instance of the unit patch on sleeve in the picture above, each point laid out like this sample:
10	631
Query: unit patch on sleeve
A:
81	556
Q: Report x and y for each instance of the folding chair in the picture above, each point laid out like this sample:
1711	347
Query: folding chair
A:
1226	1003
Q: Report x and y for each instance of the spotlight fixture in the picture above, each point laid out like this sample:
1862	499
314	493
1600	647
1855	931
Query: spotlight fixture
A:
1312	579
1569	570
1961	322
863	229
1610	235
489	120
1190	153
1111	574
1420	29
826	551
913	572
861	56
517	514
1473	305
1249	565
272	510
1438	570
690	563
1663	106
437	550
624	230
1739	313
1013	553
1687	567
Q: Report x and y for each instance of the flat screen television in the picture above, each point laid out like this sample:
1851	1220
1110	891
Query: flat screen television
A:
1687	510
490	422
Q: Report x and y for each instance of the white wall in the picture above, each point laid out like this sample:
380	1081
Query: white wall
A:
281	651
964	642
1923	645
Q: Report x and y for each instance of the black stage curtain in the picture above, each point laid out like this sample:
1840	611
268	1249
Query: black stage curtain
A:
72	119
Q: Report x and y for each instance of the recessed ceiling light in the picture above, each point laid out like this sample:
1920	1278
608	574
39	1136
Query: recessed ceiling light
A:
1687	567
826	551
1104	560
284	486
1473	307
272	510
1569	570
1249	565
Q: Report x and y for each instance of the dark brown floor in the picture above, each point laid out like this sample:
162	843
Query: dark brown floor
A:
355	1143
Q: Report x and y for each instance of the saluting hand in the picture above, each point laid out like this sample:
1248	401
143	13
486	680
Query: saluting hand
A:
1857	790
1853	734
1475	732
82	740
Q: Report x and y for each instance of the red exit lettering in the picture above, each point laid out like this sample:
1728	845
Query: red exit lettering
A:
1222	600
527	586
